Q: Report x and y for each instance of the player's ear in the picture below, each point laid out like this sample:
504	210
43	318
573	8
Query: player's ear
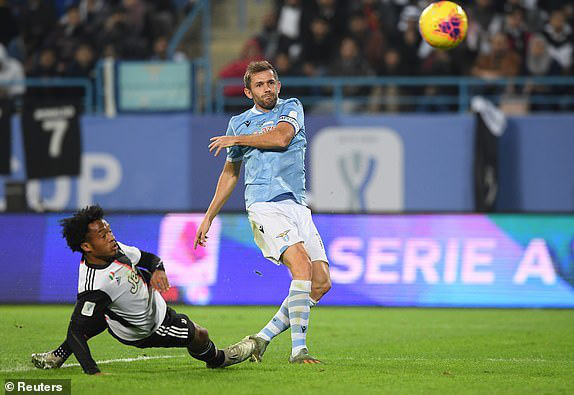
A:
248	93
86	247
278	87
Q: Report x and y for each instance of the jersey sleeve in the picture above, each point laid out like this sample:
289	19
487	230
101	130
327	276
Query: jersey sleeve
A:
234	154
292	113
133	253
86	320
150	262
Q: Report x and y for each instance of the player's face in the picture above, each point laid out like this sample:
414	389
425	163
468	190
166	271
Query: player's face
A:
264	90
100	244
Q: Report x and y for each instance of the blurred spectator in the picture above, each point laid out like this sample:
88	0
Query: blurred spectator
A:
331	11
46	66
351	63
37	19
8	23
160	47
289	27
386	97
369	37
533	18
482	22
539	62
250	52
83	63
67	35
393	64
438	63
318	49
409	44
10	70
285	68
515	30
123	29
560	39
500	62
268	37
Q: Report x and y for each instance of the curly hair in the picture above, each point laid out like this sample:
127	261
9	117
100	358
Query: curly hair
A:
75	228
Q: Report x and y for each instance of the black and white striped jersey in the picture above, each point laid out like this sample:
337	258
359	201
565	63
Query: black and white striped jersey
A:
135	310
118	295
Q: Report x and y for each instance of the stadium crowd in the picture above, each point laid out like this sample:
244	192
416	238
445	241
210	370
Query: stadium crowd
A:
381	38
65	38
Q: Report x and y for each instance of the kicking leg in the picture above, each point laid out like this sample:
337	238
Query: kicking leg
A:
320	285
299	299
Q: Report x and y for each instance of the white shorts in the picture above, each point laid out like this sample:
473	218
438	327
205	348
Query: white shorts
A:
278	225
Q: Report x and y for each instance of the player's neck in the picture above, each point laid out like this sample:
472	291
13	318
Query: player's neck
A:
94	260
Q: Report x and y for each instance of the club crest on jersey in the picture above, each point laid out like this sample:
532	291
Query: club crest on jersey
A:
283	235
112	274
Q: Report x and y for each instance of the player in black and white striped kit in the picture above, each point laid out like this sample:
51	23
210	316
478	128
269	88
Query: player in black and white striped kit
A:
119	289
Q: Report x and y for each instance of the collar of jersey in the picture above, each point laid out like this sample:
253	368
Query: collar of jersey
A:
94	266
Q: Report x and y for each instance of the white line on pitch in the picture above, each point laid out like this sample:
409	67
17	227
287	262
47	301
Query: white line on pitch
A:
69	365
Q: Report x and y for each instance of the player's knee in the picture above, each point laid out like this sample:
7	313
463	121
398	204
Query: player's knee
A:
298	262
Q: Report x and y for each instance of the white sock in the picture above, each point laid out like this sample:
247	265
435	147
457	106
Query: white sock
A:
277	324
298	305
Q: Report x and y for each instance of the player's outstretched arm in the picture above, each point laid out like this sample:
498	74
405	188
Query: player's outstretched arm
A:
277	138
86	319
225	186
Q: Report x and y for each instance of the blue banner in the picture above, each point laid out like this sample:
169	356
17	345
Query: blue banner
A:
368	164
382	260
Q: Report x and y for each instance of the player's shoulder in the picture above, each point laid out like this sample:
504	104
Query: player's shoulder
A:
292	101
93	278
132	253
238	119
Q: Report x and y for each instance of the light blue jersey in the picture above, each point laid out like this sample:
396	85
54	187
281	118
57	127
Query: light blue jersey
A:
268	173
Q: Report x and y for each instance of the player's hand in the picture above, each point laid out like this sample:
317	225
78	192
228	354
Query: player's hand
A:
220	142
201	235
159	281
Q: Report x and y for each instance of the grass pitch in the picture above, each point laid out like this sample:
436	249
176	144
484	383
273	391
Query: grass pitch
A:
366	350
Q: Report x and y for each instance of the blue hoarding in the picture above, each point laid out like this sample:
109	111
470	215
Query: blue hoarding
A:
383	260
418	162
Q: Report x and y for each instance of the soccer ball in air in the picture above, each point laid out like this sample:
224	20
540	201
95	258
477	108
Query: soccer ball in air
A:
443	24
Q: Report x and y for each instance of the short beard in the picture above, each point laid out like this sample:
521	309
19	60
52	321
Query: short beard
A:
262	104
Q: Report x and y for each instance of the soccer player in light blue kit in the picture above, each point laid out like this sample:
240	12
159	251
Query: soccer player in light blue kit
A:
270	139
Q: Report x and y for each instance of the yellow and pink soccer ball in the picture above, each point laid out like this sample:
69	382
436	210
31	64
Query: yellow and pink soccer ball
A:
443	24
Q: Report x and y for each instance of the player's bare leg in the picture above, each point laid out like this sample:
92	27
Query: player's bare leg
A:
321	281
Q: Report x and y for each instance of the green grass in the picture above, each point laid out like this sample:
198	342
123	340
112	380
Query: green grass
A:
366	350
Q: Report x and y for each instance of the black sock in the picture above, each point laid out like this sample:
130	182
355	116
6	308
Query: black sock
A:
210	355
63	351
